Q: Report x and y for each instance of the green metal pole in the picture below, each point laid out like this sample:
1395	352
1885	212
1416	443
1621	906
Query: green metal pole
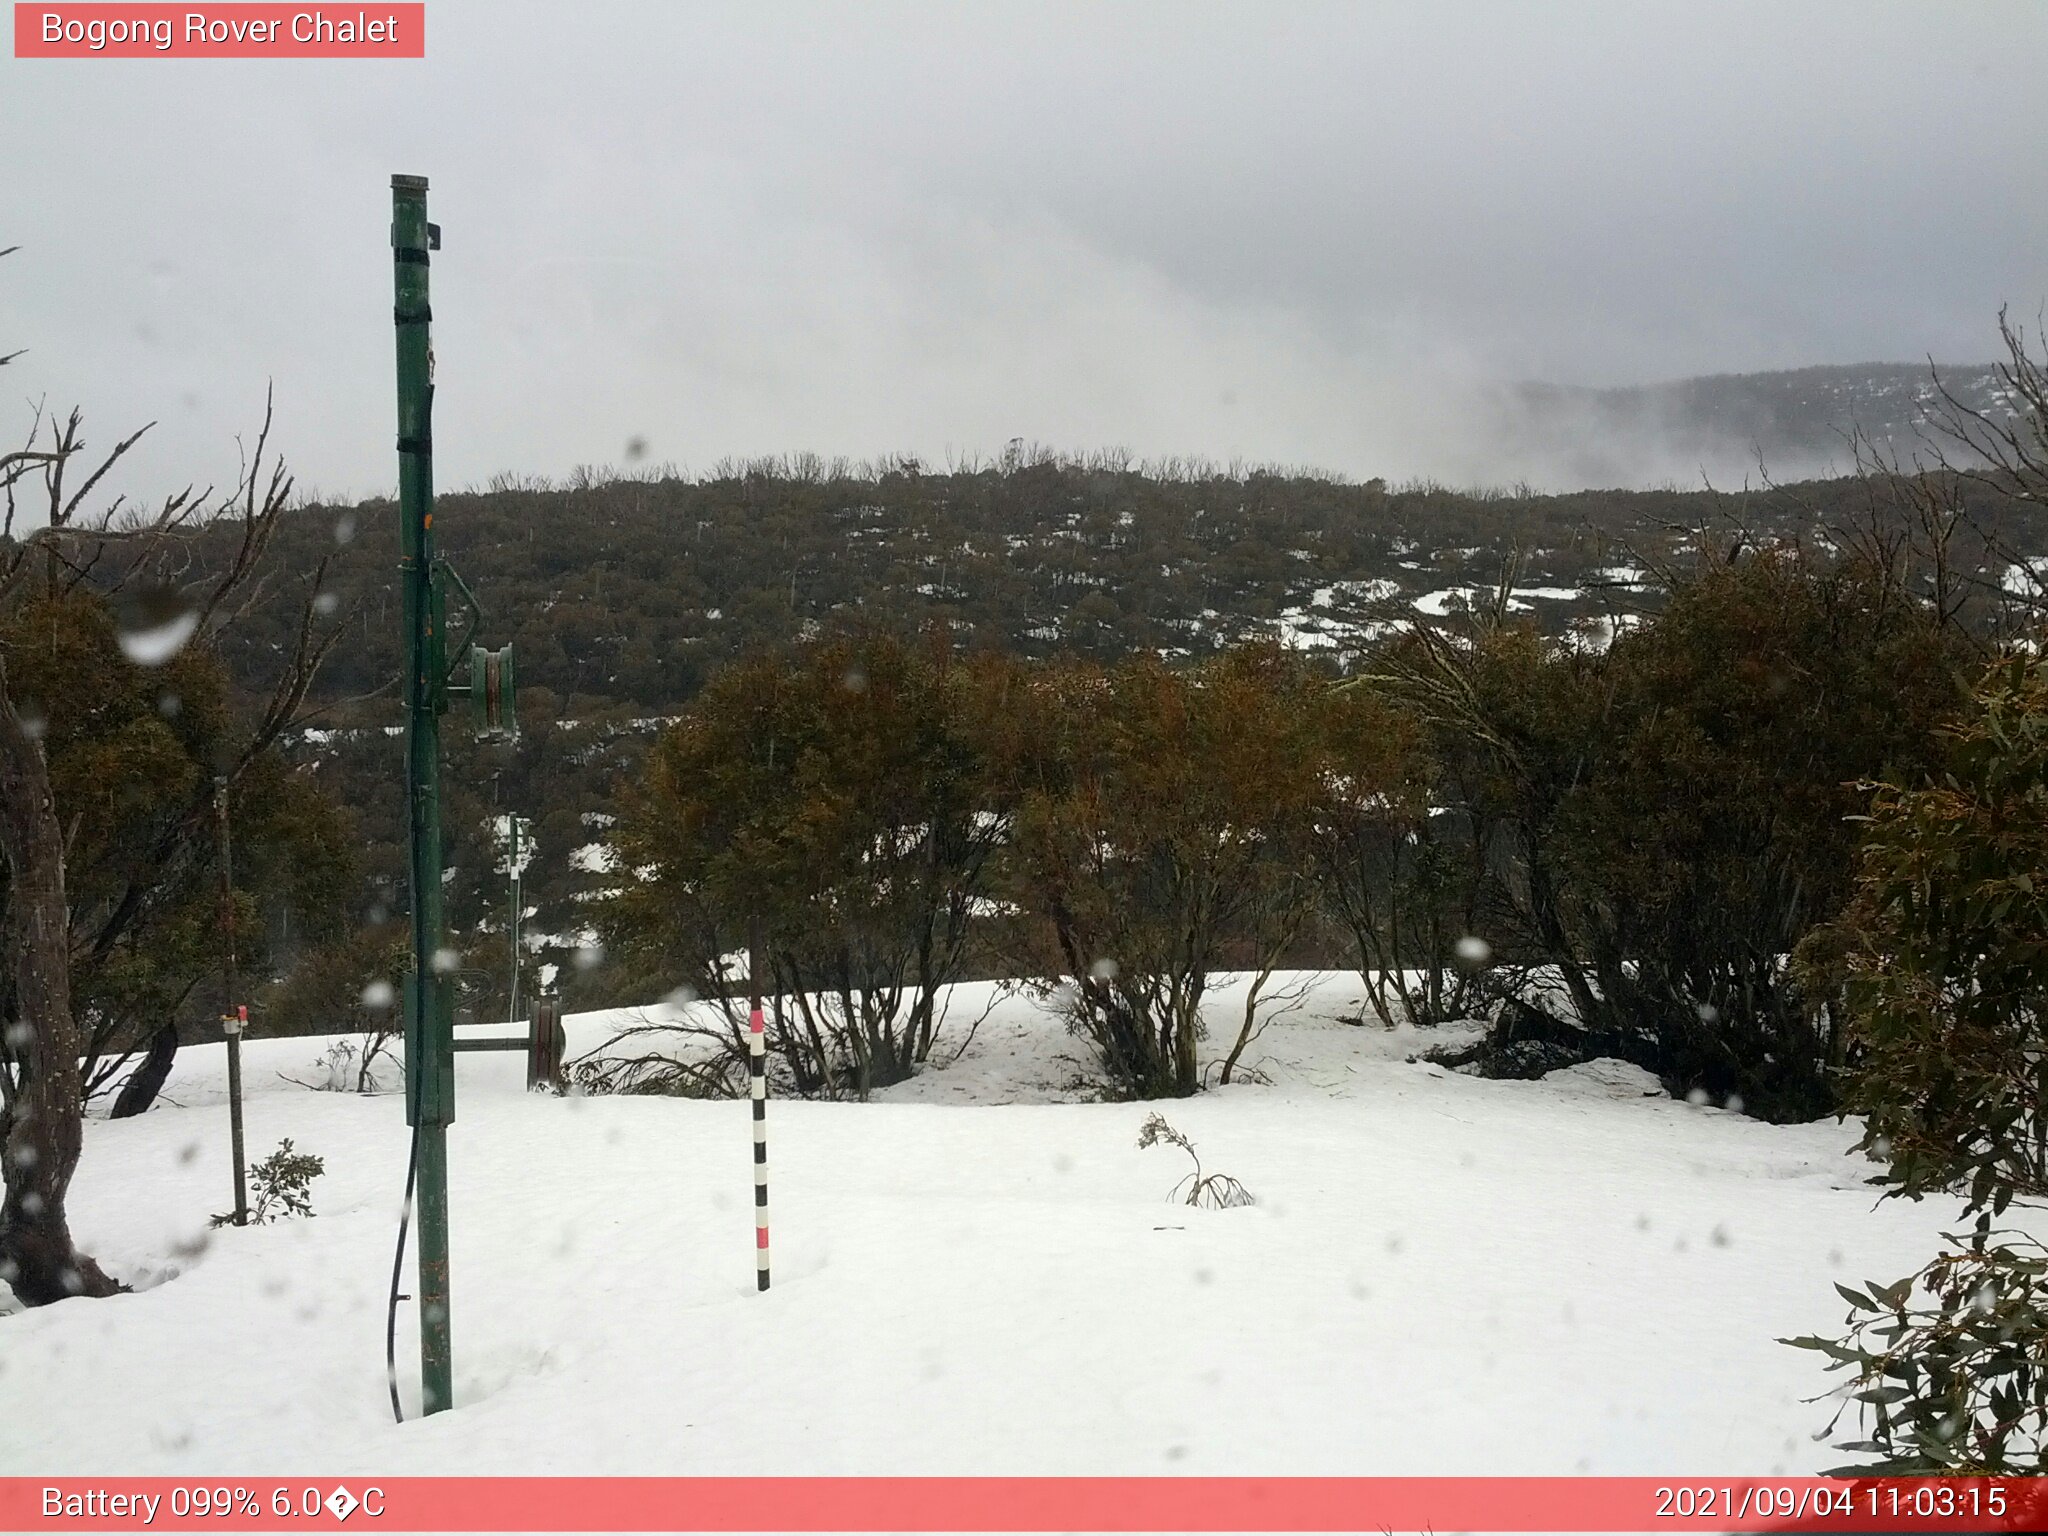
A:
429	1058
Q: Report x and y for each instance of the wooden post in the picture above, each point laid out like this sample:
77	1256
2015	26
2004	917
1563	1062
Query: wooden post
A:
513	864
233	1016
546	1043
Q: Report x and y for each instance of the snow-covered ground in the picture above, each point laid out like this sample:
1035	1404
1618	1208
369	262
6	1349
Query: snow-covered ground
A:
978	1274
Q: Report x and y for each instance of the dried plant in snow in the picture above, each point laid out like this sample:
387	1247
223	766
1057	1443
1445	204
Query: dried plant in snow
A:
1211	1191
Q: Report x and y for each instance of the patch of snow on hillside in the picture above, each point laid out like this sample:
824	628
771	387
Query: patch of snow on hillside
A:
2026	578
1462	600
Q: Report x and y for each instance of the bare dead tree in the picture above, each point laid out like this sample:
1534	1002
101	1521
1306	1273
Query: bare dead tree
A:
1916	525
2008	453
2004	454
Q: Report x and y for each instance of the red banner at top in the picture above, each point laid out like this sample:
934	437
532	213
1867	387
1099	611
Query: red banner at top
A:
242	31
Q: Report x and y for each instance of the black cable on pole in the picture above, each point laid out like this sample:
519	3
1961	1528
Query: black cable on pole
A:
412	1168
412	1171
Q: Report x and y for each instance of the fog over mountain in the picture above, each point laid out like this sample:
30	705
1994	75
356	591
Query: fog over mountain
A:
1732	429
1330	235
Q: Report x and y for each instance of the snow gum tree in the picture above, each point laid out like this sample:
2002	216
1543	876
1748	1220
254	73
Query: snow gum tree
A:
1940	964
95	919
1665	822
1945	958
1943	962
132	751
823	810
1162	825
1402	874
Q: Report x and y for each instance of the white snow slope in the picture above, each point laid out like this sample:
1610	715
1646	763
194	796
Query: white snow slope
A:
978	1274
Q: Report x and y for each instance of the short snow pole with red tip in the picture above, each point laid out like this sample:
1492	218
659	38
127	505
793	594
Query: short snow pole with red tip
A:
757	1066
757	1075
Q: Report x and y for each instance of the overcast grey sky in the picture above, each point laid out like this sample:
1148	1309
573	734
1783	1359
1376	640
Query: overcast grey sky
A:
1282	231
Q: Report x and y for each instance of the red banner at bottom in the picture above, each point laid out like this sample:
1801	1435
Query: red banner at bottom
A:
1025	1504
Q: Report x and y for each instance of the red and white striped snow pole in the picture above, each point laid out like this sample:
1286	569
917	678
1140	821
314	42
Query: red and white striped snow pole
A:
757	1066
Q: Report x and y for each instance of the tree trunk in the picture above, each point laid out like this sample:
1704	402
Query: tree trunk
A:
1251	1019
148	1079
42	1126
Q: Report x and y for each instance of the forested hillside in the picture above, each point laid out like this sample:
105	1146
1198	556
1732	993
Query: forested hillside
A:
622	595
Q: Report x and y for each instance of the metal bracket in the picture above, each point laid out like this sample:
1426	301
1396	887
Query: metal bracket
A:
476	618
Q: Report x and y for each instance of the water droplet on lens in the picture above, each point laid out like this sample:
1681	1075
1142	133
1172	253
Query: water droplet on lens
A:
154	624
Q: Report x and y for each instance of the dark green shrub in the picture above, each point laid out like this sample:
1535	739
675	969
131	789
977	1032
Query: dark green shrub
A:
282	1185
1943	962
